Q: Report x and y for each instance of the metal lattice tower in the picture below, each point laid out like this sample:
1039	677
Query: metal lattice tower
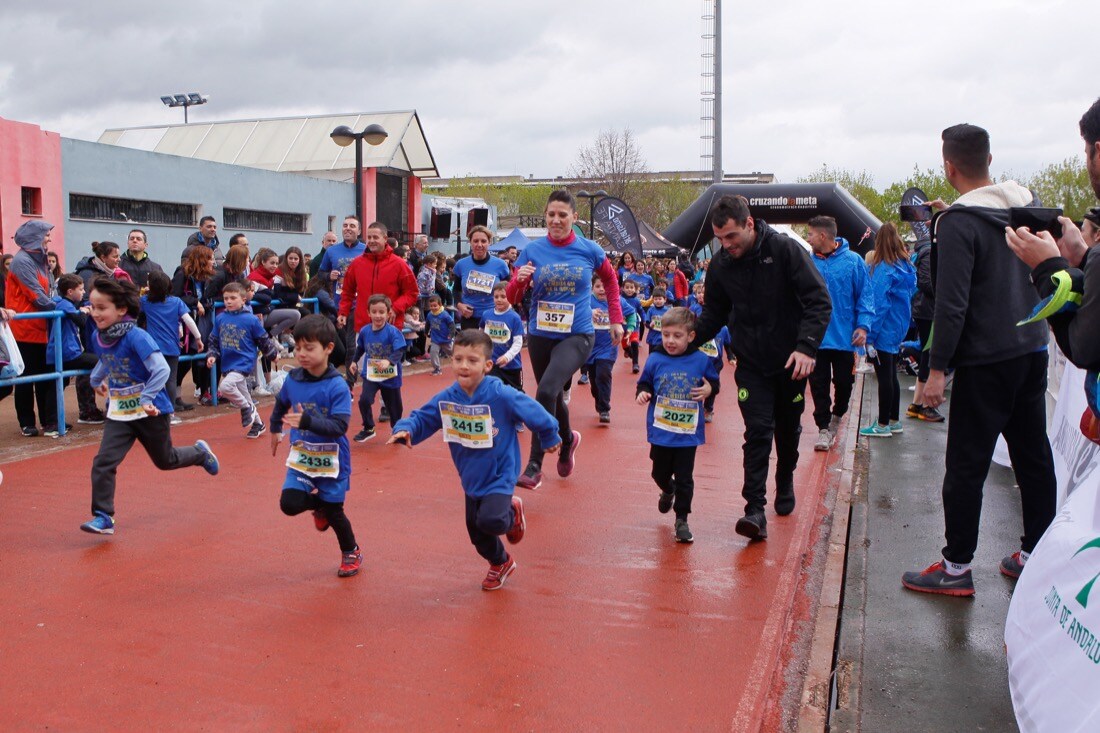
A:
710	116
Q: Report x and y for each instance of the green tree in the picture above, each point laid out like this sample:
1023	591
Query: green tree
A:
1064	185
931	181
859	184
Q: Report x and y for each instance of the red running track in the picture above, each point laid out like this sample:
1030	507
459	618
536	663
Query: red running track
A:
211	610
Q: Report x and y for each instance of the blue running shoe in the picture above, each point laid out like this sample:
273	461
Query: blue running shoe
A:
102	523
874	430
209	461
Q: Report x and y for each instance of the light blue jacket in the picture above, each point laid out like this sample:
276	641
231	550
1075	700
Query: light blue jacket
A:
846	276
893	286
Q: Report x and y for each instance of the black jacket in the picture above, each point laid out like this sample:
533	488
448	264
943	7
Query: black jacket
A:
924	300
138	270
773	299
1077	333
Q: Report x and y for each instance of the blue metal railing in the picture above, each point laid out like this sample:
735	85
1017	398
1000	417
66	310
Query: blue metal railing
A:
59	373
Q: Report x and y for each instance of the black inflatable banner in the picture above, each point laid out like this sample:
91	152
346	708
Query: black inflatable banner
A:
617	222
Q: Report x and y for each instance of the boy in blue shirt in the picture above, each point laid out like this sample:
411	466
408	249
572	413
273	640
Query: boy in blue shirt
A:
236	337
131	373
316	403
600	362
672	384
505	329
632	336
70	290
384	348
653	317
441	331
478	415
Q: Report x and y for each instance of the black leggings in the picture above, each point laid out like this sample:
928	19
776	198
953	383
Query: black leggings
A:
554	362
924	330
889	388
294	502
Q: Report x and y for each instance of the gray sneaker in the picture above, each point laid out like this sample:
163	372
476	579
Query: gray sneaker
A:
935	579
683	532
824	440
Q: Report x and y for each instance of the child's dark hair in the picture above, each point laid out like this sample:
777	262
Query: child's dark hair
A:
435	299
679	317
159	286
379	298
317	284
501	285
475	338
659	291
124	294
315	327
234	287
68	282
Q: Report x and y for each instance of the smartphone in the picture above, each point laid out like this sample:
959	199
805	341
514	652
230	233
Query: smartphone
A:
1037	219
915	212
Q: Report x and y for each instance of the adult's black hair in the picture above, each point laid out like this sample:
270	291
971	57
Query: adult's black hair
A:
826	224
144	236
315	327
728	208
206	219
236	238
562	196
966	146
1090	125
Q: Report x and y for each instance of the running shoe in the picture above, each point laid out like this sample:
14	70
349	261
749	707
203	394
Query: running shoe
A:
530	478
753	525
935	579
605	418
784	496
206	400
29	431
635	369
248	416
51	431
874	430
1012	565
320	521
583	379
683	532
175	421
258	428
519	522
896	427
566	395
364	435
913	410
497	574
664	503
567	459
708	416
383	414
350	562
101	523
824	440
95	418
184	406
209	461
931	414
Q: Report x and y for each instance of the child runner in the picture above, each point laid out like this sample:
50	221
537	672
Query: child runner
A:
632	336
384	348
505	329
478	415
717	349
163	314
411	328
236	337
441	326
74	354
316	403
672	384
132	374
602	359
653	317
695	300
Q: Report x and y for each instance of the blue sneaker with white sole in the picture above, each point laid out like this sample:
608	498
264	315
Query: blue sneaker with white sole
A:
209	461
101	523
874	430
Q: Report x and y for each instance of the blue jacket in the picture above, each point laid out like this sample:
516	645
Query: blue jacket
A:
495	410
71	325
893	287
846	276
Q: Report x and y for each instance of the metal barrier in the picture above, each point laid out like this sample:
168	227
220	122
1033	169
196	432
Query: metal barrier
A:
59	373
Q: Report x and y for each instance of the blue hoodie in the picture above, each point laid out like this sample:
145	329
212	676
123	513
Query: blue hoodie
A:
893	287
846	276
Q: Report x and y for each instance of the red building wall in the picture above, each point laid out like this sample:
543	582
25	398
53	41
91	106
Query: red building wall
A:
30	157
415	215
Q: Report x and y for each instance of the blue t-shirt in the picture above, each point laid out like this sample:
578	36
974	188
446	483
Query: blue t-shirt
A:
480	431
325	397
502	329
162	321
235	337
645	282
338	257
603	348
561	291
673	378
716	348
653	323
477	281
124	363
70	334
441	327
385	343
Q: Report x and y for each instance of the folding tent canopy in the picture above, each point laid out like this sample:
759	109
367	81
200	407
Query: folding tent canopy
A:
516	238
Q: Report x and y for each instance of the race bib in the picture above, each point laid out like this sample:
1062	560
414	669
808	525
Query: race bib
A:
710	349
125	403
555	317
479	282
498	332
676	416
470	426
601	320
316	460
655	324
375	373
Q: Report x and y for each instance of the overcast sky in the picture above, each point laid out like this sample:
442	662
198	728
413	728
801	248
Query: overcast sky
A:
516	87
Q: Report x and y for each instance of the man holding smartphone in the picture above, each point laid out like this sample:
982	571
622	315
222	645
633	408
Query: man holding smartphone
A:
982	291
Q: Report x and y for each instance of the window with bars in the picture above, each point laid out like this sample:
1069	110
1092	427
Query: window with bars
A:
106	208
32	201
265	221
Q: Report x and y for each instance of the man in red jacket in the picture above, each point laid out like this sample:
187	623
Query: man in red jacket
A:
377	271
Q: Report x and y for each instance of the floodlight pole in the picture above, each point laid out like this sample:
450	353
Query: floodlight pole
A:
717	159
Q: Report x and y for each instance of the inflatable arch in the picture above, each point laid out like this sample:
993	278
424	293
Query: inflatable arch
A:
779	203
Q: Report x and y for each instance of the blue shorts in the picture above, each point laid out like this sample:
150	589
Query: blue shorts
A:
331	490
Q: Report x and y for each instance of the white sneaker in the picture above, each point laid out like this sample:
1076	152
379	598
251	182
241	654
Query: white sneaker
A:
566	394
824	440
175	421
261	392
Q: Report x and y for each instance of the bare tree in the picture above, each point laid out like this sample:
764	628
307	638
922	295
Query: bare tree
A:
613	162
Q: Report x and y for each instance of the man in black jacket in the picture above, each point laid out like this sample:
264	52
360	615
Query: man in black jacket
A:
763	285
982	291
135	260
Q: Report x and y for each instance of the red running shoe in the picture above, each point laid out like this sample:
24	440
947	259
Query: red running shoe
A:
498	574
567	459
320	521
519	522
350	563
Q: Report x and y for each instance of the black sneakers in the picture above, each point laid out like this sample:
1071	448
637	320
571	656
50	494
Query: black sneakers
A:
258	428
364	435
683	532
784	496
935	579
753	525
664	504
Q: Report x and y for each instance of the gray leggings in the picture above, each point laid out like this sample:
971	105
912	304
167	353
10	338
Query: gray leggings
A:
281	320
554	362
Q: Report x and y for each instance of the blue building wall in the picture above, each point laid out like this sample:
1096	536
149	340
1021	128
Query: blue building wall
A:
110	170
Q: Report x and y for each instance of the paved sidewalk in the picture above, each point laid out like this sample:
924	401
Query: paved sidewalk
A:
910	661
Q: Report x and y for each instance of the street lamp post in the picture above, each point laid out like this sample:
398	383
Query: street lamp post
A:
344	136
591	209
192	99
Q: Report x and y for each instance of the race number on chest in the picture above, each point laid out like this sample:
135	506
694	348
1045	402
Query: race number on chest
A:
468	425
316	460
554	317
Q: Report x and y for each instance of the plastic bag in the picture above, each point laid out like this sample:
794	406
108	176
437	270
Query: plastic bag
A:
11	361
275	384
